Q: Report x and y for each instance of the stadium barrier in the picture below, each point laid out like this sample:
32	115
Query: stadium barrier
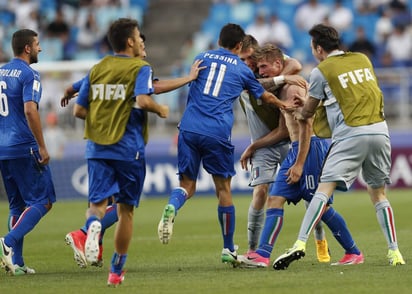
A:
70	176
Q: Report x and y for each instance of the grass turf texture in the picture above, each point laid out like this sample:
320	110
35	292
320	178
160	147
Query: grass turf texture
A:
190	263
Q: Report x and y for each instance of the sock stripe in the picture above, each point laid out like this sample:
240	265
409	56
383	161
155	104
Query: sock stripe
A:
316	217
390	226
21	217
277	226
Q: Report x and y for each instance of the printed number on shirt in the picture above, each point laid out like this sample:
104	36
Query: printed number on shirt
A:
214	81
310	182
4	107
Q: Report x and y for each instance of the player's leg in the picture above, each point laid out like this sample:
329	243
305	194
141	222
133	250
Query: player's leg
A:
130	178
188	165
122	236
256	216
386	220
263	170
226	217
341	232
37	191
376	173
322	248
271	230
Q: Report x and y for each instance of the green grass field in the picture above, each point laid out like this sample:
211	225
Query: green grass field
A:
190	263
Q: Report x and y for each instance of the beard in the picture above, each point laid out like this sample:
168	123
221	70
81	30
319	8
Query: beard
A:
33	59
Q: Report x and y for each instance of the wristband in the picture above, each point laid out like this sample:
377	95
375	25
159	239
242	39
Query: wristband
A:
280	80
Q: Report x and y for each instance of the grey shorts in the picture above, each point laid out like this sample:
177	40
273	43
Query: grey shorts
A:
366	154
265	163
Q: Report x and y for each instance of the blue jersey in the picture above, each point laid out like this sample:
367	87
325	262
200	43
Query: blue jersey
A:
19	83
209	109
77	85
131	146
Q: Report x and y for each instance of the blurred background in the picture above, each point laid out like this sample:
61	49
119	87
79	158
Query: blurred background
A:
73	38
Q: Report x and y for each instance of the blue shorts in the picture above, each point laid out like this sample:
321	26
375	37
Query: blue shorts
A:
122	179
308	183
27	183
217	155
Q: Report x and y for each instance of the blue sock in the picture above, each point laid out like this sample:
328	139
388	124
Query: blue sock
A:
26	222
270	232
340	231
18	247
108	220
226	215
118	261
178	198
91	219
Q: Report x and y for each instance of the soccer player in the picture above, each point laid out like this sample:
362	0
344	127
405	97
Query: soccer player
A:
114	101
23	154
298	173
205	133
266	125
76	239
346	88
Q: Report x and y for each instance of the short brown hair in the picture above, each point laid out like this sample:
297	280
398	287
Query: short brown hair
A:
268	52
20	39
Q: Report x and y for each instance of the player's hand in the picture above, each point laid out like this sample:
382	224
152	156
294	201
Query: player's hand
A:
194	71
44	156
246	158
289	107
163	111
296	80
294	173
64	101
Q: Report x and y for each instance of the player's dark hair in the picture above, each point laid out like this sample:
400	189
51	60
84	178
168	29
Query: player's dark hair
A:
230	35
20	39
325	36
119	31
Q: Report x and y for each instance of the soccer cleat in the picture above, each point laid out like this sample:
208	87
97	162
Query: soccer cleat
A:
114	279
165	228
292	254
99	262
76	240
91	247
349	259
395	257
6	254
322	251
253	260
23	270
230	256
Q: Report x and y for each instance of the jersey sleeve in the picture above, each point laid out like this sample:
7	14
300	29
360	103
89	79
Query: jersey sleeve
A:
32	88
252	84
76	85
144	82
317	81
83	98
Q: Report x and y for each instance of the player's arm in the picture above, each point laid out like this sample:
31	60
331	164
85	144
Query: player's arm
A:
305	133
308	109
275	136
70	92
270	98
33	119
147	103
289	75
80	109
292	66
162	86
